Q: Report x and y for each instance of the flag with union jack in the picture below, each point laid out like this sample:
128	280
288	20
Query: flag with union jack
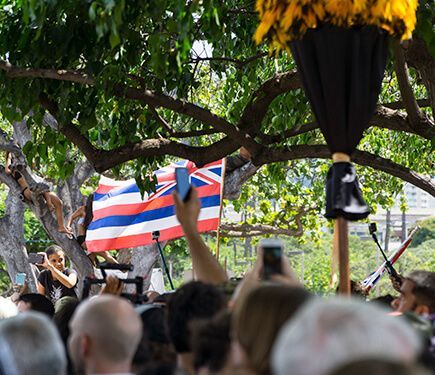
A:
122	218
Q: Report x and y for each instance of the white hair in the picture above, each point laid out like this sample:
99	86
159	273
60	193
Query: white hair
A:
7	308
31	345
327	334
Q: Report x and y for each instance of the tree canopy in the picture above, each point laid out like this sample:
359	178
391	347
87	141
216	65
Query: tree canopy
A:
129	83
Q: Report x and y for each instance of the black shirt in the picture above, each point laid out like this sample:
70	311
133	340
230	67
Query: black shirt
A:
54	289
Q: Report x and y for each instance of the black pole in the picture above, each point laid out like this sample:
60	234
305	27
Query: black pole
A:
156	235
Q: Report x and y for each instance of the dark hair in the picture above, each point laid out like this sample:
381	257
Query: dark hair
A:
211	342
154	345
163	299
158	369
194	300
375	367
64	311
268	306
424	288
39	303
384	301
356	290
53	249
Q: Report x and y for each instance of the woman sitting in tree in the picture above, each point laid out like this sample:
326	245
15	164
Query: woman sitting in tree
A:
52	200
56	281
85	216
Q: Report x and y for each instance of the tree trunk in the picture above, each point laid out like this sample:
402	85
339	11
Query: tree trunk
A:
387	231
12	244
143	259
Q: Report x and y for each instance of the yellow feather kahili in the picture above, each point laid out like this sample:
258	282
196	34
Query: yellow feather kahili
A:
284	20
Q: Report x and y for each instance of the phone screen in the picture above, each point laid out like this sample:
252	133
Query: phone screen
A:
20	278
183	183
271	261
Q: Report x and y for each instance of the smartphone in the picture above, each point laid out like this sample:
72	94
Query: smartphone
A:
183	183
272	254
20	278
35	258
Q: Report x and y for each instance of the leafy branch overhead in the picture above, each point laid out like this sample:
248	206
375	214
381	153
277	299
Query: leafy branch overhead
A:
136	81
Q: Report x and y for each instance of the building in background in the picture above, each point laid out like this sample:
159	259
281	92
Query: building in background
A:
420	206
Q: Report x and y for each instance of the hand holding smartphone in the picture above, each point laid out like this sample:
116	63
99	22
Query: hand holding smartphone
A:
20	279
272	257
183	183
36	258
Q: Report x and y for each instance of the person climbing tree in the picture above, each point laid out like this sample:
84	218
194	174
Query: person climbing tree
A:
84	216
52	200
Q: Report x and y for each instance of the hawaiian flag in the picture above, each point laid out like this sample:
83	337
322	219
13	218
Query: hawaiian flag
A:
123	219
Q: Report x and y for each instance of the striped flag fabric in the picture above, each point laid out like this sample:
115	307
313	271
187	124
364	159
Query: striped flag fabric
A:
122	219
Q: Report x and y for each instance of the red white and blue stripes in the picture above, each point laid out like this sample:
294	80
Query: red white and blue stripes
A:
123	219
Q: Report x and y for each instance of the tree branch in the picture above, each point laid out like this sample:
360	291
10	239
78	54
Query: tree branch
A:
60	74
415	115
180	106
419	57
239	63
252	230
384	117
359	157
400	105
163	147
161	121
235	179
145	96
194	133
256	109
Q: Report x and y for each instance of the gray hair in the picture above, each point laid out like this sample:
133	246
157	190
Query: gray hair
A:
7	308
327	334
31	345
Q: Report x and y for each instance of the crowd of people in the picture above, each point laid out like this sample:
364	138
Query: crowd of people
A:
260	327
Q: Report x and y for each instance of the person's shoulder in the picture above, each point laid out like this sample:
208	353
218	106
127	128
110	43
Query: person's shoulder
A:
43	275
69	271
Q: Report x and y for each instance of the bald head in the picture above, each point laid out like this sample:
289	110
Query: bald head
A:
105	329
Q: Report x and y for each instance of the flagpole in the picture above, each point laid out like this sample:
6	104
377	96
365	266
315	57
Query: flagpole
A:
218	233
341	240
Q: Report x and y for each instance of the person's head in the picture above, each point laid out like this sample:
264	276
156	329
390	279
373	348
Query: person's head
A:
417	293
7	308
384	301
56	256
151	295
105	332
327	334
35	302
259	318
378	367
64	309
154	346
33	344
194	300
355	290
211	343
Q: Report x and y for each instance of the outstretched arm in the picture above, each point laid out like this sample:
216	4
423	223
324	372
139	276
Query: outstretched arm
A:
206	267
